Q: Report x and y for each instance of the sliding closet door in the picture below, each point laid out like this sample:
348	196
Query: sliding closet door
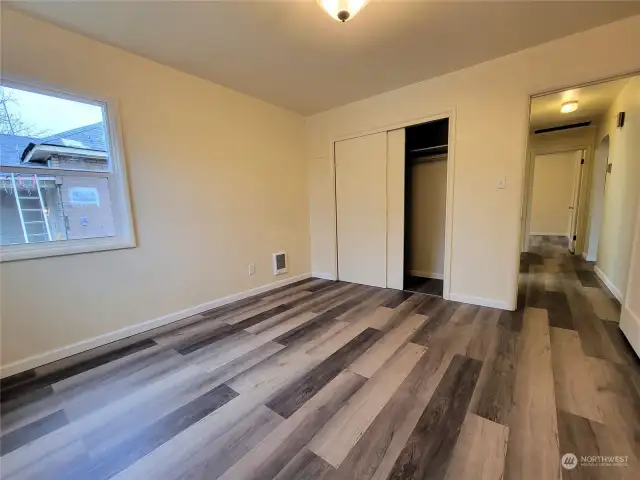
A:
361	198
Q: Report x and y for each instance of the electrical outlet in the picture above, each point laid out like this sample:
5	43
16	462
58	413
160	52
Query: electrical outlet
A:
252	268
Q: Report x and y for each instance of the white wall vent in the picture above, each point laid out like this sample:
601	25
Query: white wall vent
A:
279	263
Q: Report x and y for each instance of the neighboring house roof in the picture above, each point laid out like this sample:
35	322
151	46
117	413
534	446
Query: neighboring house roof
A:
90	137
12	146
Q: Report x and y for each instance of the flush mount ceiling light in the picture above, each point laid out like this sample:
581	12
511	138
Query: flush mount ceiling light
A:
342	10
568	107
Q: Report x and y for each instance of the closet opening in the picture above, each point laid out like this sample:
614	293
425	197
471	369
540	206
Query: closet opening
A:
426	151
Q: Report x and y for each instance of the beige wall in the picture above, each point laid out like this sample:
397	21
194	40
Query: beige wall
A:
218	180
553	179
428	209
622	186
490	103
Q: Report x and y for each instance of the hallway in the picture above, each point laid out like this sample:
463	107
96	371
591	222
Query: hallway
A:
596	375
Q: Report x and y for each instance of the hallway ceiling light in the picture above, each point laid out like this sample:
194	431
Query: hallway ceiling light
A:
568	107
342	10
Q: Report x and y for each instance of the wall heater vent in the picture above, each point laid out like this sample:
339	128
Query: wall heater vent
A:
279	263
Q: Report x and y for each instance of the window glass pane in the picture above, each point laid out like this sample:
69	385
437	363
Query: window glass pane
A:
49	208
46	131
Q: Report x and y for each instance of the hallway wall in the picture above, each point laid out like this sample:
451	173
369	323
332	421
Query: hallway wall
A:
621	188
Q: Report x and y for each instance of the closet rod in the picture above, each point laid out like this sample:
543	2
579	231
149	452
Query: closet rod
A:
426	149
430	158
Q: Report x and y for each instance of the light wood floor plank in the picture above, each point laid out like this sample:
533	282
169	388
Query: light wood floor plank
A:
341	433
533	449
574	382
284	443
374	358
480	451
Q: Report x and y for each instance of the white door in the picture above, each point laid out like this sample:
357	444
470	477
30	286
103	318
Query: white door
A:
630	316
552	194
361	204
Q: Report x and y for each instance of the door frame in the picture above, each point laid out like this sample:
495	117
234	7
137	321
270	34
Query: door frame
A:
449	113
583	216
576	206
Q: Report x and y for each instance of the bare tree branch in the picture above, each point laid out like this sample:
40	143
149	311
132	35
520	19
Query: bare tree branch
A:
10	121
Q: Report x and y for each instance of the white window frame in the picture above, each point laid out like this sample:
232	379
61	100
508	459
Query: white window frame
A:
118	186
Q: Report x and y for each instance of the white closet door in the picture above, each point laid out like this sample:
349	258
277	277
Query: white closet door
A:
361	198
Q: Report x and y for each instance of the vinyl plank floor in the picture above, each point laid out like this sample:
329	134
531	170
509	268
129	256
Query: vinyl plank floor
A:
532	451
330	380
429	448
342	432
480	450
575	387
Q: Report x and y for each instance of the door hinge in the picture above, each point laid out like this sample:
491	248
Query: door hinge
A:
582	162
575	238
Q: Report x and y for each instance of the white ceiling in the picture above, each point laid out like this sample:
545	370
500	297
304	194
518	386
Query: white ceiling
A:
291	53
593	102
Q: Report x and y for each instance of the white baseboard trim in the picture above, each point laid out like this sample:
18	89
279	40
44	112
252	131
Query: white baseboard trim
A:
601	275
325	276
630	326
423	274
483	302
84	345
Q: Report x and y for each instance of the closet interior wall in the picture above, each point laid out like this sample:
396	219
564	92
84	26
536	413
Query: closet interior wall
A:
426	150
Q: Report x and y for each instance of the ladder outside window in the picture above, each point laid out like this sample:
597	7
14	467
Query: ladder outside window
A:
33	215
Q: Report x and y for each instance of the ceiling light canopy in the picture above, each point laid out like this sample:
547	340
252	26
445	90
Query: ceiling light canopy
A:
568	107
342	10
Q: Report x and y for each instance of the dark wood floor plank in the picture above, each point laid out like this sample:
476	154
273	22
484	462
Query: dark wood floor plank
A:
377	450
306	465
397	299
586	438
289	400
318	302
511	321
593	335
494	393
427	452
434	323
325	285
587	278
17	438
558	310
33	383
121	456
283	444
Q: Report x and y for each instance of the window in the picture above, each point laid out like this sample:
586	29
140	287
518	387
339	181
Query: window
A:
62	178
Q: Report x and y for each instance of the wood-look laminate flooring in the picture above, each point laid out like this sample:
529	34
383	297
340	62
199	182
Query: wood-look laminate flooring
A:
332	380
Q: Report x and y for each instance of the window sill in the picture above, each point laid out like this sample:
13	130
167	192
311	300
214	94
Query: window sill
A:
68	247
